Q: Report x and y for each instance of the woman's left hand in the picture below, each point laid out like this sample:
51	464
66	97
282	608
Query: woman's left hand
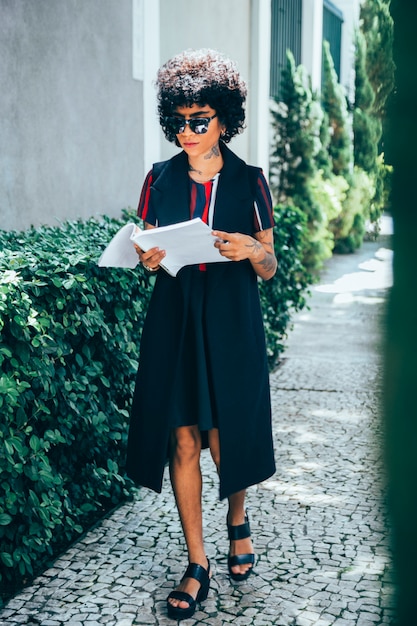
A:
259	250
237	247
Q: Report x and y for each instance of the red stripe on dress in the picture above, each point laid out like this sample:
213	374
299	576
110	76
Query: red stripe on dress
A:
208	186
266	198
143	206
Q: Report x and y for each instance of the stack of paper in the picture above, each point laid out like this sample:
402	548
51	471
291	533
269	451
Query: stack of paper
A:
186	243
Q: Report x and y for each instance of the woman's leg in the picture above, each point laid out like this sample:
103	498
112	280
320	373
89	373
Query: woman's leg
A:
236	512
186	482
236	517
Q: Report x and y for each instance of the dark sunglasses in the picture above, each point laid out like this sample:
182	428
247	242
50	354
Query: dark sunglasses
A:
198	125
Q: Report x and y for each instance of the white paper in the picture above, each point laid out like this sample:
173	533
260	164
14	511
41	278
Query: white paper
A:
186	243
120	252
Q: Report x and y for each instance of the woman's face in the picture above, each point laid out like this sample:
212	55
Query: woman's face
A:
198	144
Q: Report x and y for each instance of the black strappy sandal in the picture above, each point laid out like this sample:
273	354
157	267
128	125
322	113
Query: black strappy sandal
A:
198	573
235	533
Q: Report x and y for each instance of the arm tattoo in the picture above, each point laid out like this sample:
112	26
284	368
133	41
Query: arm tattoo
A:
254	246
268	261
262	236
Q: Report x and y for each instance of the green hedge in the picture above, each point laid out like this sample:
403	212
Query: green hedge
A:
69	336
68	355
285	293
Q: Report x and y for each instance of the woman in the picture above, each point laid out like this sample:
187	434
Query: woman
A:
203	376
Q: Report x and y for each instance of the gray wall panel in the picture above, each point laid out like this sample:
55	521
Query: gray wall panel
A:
70	111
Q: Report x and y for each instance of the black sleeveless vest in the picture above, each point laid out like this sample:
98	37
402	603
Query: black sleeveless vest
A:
234	334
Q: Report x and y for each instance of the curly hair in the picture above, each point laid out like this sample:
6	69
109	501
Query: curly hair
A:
204	77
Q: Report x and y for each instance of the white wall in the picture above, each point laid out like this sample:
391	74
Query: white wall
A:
70	111
350	10
146	61
312	38
259	105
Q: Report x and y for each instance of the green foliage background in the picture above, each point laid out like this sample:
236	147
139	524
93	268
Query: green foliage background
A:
286	292
324	158
68	354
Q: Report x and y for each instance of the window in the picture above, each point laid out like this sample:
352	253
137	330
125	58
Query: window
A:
286	18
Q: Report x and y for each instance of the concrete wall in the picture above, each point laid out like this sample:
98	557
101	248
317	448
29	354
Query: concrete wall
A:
70	111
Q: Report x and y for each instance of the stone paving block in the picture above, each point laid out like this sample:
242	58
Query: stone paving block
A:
369	619
324	620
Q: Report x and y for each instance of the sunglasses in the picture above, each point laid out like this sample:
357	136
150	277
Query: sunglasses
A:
198	125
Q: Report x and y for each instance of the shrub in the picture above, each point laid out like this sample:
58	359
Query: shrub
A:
381	200
68	354
366	129
377	26
335	105
350	227
297	150
285	292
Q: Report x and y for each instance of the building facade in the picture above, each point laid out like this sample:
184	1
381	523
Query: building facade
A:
78	122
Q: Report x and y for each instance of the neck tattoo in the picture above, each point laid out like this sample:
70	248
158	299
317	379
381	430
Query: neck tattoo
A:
194	169
214	152
204	175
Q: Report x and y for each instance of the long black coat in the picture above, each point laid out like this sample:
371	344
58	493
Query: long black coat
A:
234	337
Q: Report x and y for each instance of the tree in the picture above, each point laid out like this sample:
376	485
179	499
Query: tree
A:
297	121
377	27
348	227
374	69
366	129
335	105
296	138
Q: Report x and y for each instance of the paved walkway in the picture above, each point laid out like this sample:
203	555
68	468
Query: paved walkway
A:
318	524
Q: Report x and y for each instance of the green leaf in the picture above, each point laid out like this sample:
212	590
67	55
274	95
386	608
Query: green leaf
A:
8	446
19	320
119	313
69	283
5	519
35	443
7	559
57	282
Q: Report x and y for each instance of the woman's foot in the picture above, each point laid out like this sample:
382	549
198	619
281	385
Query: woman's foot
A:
193	588
241	558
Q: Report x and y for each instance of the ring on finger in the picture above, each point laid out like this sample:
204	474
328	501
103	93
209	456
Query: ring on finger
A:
148	268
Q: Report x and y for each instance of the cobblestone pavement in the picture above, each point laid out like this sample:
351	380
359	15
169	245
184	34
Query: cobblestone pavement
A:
318	524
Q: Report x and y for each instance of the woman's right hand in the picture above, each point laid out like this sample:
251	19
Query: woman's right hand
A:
150	259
